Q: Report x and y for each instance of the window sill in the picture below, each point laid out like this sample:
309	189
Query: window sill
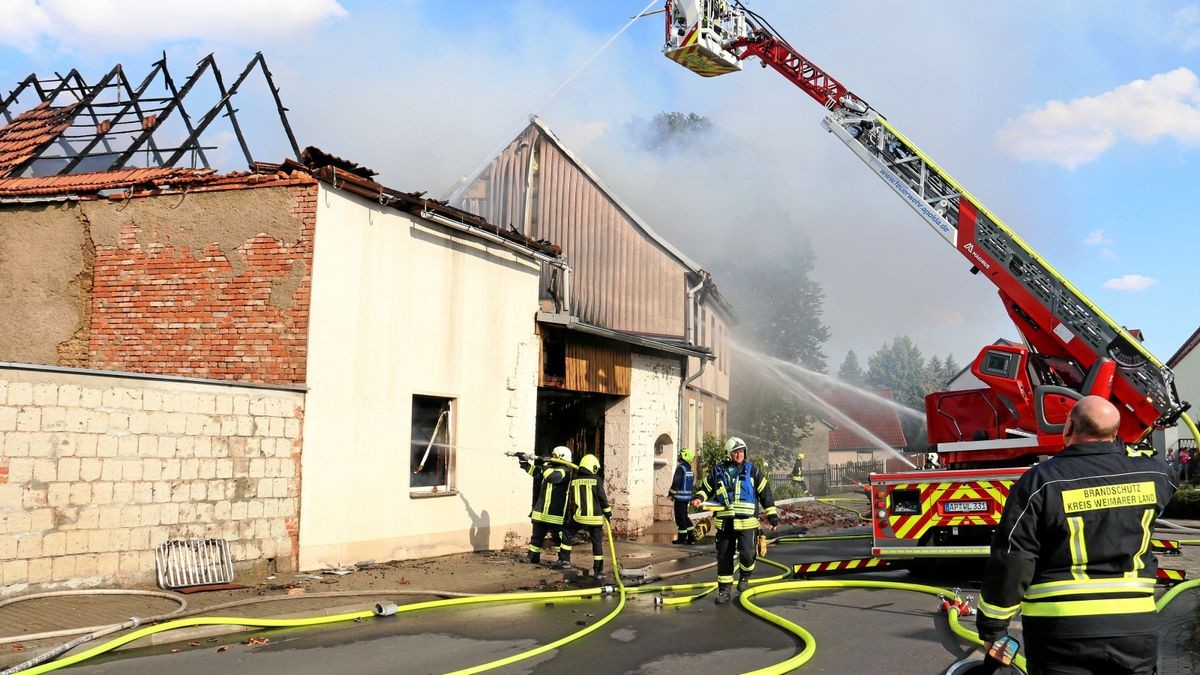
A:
432	494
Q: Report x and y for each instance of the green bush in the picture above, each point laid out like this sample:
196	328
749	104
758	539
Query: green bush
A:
1185	503
710	453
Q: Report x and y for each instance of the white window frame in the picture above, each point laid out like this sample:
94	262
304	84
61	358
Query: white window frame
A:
436	447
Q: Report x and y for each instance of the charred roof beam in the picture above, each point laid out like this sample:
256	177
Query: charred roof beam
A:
203	65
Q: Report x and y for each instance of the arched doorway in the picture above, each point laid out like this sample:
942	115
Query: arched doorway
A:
664	471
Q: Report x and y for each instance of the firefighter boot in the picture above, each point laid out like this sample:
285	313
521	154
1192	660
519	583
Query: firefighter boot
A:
691	537
722	594
598	570
743	582
564	560
535	558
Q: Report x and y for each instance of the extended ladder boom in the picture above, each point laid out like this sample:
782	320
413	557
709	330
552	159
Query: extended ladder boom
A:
712	37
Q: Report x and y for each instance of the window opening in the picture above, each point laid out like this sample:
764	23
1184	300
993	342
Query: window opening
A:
432	444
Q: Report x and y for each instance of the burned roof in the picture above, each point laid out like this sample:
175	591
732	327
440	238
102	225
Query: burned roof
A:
418	204
77	126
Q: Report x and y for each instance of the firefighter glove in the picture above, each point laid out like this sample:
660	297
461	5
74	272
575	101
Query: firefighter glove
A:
773	520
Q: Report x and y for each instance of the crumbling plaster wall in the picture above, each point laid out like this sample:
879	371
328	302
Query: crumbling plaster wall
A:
45	283
208	284
631	426
96	471
212	283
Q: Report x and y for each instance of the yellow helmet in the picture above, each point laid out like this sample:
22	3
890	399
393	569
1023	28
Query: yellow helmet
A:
589	463
687	455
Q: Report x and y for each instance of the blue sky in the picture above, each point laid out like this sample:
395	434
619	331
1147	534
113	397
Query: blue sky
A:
1076	122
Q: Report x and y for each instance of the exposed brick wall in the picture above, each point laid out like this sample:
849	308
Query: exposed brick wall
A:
98	471
165	300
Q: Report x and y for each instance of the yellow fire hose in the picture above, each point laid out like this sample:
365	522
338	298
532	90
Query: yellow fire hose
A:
758	587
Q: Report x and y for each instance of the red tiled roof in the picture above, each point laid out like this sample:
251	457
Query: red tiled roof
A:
876	417
90	183
146	179
30	131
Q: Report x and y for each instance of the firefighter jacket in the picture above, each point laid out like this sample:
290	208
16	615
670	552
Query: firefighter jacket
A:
550	501
1072	552
591	503
742	490
681	484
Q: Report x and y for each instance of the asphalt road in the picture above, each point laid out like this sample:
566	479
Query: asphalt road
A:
856	630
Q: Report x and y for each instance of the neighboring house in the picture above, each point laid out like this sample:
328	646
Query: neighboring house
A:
298	360
1185	363
635	355
866	428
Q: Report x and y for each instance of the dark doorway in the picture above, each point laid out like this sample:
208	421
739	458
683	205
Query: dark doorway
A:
571	418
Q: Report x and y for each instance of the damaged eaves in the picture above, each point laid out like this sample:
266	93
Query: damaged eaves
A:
417	204
103	126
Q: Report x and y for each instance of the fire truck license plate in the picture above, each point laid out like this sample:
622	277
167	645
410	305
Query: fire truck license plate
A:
968	506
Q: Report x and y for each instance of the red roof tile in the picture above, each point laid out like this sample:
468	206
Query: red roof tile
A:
31	131
876	417
90	183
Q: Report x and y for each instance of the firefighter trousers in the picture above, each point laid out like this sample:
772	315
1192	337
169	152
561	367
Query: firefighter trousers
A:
1120	654
730	540
540	530
682	522
596	532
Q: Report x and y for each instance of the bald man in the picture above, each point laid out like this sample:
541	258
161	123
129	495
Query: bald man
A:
1072	553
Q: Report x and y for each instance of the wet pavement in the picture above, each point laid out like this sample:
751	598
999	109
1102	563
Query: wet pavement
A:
856	630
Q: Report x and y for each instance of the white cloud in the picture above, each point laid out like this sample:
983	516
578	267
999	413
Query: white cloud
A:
1098	238
1185	27
1130	282
1076	132
29	24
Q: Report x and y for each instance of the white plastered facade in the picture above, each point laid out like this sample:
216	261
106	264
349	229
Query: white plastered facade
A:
403	307
631	427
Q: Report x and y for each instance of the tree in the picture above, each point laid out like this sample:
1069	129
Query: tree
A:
672	131
950	368
851	372
899	366
781	307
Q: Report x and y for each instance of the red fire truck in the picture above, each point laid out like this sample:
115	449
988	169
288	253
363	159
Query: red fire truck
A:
983	438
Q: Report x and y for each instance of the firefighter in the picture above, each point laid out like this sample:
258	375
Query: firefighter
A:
551	476
1072	553
743	491
589	510
681	494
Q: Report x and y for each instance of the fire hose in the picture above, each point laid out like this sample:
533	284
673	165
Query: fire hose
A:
764	586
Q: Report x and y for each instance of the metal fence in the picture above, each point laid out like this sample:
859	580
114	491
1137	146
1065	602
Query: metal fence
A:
830	480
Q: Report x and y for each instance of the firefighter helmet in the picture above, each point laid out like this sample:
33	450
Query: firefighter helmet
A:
561	452
589	463
687	455
733	445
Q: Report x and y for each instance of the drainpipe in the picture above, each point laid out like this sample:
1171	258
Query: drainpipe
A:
691	338
553	261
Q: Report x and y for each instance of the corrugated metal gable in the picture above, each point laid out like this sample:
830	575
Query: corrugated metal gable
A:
623	278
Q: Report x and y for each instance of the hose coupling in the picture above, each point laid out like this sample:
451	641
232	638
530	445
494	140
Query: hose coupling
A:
388	609
608	590
135	621
658	601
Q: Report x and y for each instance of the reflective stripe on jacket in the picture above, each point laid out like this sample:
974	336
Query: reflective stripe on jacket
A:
1072	552
681	484
591	503
742	489
551	504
